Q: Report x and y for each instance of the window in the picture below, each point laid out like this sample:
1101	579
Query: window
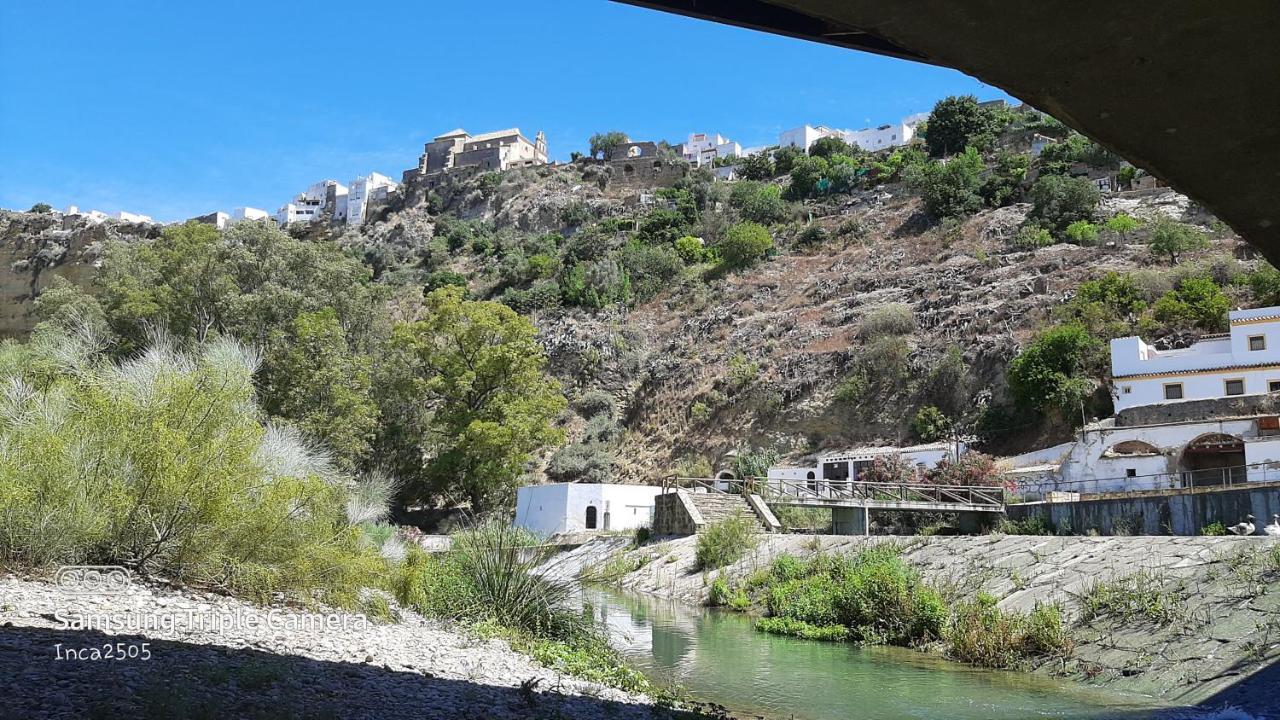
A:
1234	387
1273	386
1126	389
1131	472
1173	391
1257	342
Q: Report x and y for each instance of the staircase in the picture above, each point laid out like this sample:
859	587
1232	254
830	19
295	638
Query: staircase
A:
683	512
715	507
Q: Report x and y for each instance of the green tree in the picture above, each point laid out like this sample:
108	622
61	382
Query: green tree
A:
1172	238
313	378
1003	184
42	208
826	147
758	202
756	167
951	189
1123	224
477	370
1051	374
1197	302
1057	201
602	143
956	123
930	424
691	249
1265	283
744	244
662	227
1082	232
807	177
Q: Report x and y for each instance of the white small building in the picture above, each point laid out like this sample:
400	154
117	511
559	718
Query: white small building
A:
365	190
325	197
1244	361
835	470
241	214
880	138
703	148
805	136
574	507
133	217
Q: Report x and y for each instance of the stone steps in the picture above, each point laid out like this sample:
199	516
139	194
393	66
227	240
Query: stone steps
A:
716	507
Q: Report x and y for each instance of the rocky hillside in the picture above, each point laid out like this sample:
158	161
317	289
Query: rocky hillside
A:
863	285
866	310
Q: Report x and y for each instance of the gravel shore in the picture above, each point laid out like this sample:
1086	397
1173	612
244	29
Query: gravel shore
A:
154	652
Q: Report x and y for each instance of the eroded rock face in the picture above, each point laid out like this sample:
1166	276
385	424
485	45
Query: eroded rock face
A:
35	247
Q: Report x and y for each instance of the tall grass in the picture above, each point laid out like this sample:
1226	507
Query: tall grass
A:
983	634
163	463
725	542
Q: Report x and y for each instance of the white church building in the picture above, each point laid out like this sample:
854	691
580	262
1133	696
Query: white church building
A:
559	508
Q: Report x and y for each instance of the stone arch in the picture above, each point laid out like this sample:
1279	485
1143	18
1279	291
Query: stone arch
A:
1133	447
811	481
1212	459
628	169
635	151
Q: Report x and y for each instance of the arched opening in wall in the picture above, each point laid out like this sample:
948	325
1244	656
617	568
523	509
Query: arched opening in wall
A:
1213	459
1131	448
628	170
591	517
811	482
634	151
727	481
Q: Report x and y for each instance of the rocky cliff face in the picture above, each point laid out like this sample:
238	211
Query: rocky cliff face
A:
36	247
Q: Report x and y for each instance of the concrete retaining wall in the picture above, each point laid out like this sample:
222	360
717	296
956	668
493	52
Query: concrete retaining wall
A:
1178	512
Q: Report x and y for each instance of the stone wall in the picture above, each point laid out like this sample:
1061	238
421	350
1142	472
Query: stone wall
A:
645	172
1160	512
1199	410
674	514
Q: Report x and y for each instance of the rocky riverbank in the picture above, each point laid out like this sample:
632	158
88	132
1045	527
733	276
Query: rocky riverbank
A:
155	652
1186	620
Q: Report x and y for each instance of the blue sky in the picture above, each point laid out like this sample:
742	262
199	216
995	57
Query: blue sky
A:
175	109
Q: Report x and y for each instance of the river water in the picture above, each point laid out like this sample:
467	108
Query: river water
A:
717	656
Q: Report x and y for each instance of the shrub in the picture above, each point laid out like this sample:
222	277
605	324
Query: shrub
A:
1082	232
759	202
590	462
973	469
801	629
691	250
1172	238
787	567
1140	596
828	146
596	402
1123	224
888	320
1196	303
812	235
812	599
725	542
442	278
744	244
1058	201
1214	528
542	295
884	601
889	469
662	227
161	463
950	190
930	424
1030	237
808	177
1050	374
596	284
42	208
983	634
650	269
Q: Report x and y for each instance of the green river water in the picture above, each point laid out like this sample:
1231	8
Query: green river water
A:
718	657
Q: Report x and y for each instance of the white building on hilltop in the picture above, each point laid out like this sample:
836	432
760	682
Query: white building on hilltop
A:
367	191
703	148
574	507
1244	361
880	138
805	136
241	214
325	198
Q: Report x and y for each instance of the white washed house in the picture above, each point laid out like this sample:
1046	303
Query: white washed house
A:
574	507
325	197
880	138
703	148
1245	361
805	136
365	189
241	214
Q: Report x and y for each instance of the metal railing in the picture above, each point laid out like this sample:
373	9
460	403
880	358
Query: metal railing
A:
1235	476
826	492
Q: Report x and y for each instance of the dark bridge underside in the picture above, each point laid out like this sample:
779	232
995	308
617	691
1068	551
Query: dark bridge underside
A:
1187	89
